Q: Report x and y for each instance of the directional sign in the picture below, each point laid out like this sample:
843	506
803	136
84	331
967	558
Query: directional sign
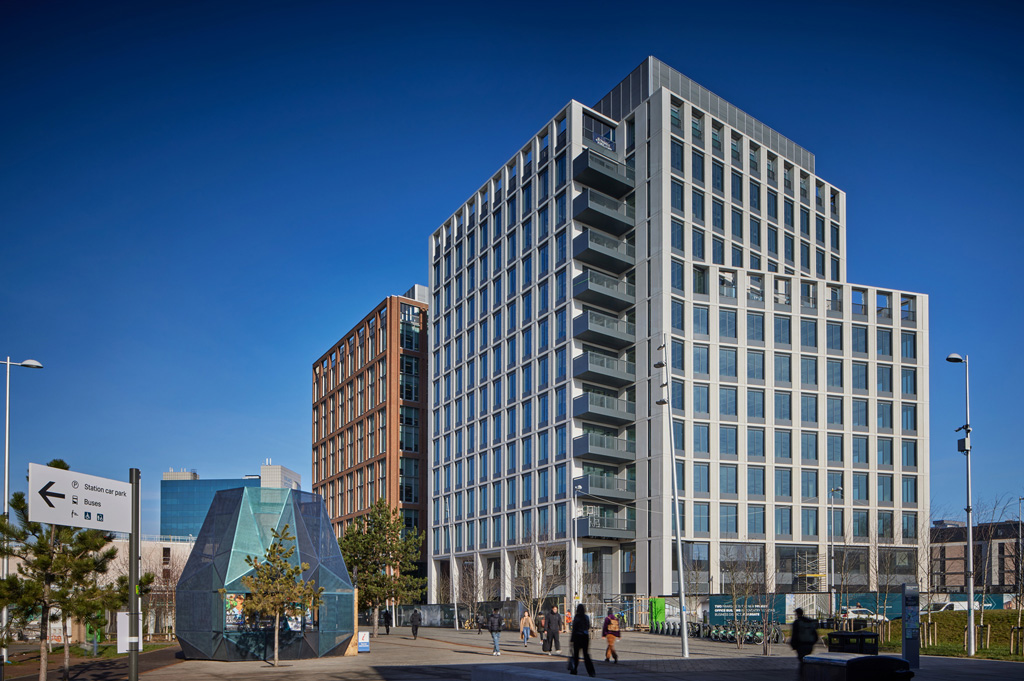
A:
62	497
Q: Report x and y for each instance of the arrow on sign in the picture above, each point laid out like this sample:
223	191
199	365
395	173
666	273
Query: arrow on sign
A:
45	493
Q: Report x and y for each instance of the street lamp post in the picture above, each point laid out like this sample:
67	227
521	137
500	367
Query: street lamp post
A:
667	401
28	364
832	548
964	445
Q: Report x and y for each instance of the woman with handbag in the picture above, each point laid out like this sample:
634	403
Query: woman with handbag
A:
526	627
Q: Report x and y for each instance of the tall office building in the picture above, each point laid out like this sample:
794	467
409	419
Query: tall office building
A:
368	404
665	216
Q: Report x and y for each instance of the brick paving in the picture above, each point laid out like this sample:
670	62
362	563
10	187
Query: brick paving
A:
448	654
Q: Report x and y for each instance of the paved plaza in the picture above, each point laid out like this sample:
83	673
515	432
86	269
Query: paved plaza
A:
447	654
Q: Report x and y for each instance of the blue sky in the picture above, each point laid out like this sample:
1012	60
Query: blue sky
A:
196	199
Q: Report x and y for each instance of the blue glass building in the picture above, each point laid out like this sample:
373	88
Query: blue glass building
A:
184	503
210	619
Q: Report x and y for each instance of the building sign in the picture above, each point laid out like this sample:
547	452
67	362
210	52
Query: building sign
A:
750	609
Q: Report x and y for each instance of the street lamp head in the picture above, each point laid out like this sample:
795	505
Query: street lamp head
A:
662	402
31	364
659	365
954	358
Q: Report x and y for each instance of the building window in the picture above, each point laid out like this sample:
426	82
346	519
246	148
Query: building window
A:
701	517
783	521
728	479
783	482
783	444
755	443
860	487
909	489
729	524
909	453
884	488
809	522
701	477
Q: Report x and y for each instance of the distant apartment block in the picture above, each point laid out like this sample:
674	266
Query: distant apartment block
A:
663	224
370	412
997	557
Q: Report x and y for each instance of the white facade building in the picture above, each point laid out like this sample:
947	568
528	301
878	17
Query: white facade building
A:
666	215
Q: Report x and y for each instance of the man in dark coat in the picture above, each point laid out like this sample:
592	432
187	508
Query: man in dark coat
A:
552	625
803	637
495	625
415	620
387	622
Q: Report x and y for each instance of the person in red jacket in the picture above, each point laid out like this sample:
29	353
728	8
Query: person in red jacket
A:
611	632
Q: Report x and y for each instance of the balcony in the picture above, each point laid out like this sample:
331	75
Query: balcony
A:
604	448
597	527
604	291
605	488
602	211
604	174
603	329
603	251
591	366
604	409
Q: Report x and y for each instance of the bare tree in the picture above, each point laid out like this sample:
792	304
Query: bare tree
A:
987	515
743	577
537	571
443	587
470	588
162	599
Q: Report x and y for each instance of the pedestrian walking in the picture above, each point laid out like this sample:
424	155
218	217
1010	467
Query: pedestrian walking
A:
387	622
579	637
494	626
552	623
526	627
611	632
416	619
480	621
803	638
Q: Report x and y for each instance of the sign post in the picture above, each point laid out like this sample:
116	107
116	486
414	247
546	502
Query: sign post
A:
134	602
912	625
60	497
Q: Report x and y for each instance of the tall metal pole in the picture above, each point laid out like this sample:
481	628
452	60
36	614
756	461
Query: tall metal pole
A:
30	364
134	610
831	550
7	491
1020	563
684	629
970	515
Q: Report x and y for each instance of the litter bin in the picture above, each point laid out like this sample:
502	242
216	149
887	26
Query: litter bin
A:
859	642
878	668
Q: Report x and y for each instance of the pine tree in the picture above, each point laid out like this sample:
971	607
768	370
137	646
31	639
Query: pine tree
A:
381	558
276	586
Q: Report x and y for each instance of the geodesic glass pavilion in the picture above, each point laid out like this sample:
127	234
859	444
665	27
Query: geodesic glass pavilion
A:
209	624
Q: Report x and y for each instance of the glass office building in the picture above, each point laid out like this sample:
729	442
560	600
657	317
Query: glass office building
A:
658	284
184	503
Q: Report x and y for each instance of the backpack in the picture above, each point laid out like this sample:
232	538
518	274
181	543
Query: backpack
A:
613	625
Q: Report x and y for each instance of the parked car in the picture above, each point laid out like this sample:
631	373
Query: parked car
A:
861	614
949	606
